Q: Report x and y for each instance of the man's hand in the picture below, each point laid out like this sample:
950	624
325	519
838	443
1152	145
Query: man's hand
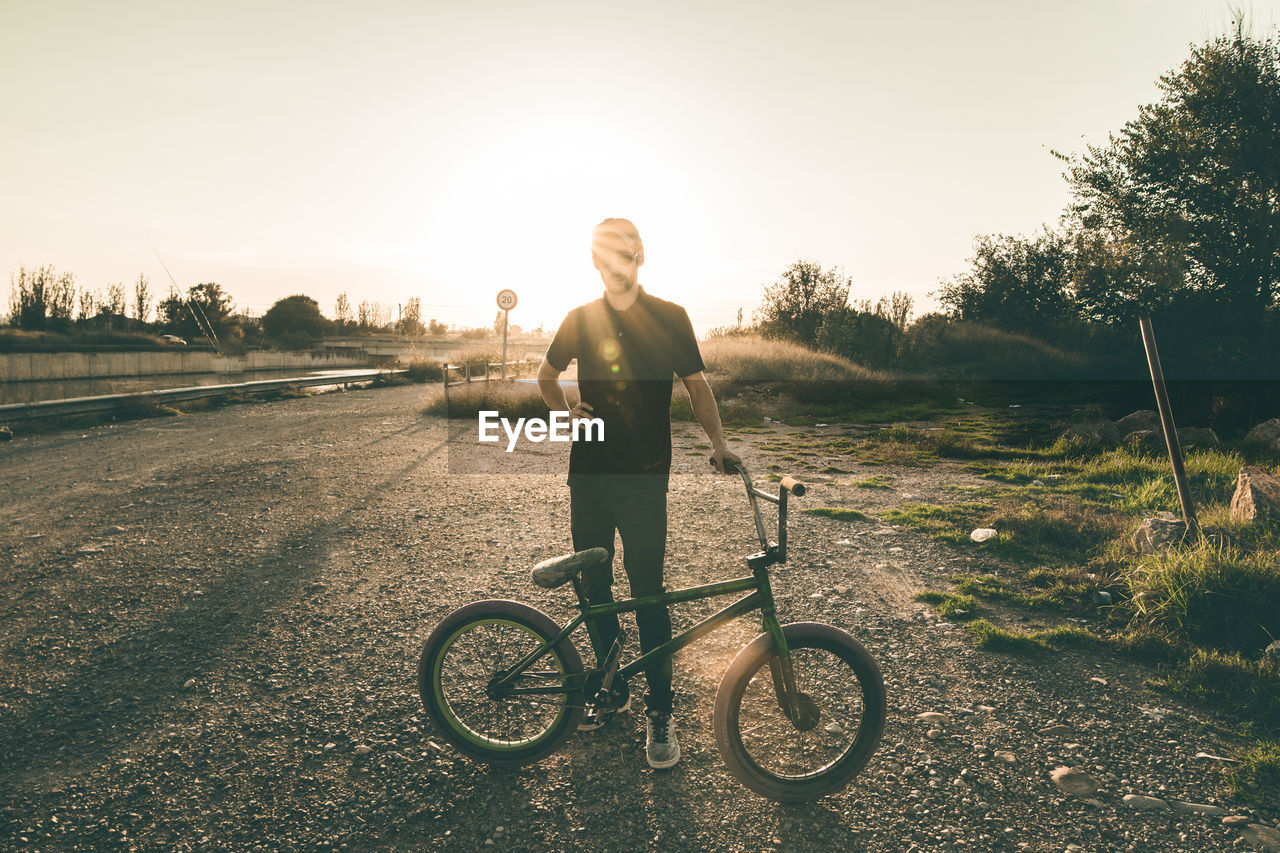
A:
580	412
720	454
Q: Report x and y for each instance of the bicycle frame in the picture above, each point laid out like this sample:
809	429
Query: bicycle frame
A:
759	598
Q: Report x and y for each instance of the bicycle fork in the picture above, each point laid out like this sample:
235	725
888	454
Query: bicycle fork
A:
798	706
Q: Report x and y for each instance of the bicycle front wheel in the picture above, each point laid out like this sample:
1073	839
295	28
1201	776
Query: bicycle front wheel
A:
842	698
468	652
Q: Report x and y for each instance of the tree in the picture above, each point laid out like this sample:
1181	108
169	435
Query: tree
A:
800	301
410	322
205	313
142	299
1016	283
437	329
295	321
1183	205
342	311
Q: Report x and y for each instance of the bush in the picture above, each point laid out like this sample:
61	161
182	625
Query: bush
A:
510	399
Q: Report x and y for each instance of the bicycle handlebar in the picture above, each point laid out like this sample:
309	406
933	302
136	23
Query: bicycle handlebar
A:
787	485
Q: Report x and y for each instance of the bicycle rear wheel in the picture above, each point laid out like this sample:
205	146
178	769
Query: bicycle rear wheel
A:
459	663
843	696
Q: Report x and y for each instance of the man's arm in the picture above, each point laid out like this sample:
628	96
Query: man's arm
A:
703	403
553	392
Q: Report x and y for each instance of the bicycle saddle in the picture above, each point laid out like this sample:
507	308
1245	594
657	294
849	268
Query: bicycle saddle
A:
551	573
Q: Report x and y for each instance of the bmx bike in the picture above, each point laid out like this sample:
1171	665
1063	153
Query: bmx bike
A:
797	715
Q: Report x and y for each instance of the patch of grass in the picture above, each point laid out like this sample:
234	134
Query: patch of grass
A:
879	481
1250	687
949	604
1218	597
838	513
993	639
508	399
942	523
1258	772
987	636
424	370
701	447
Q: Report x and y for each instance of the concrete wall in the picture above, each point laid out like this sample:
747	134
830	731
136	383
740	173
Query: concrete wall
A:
49	366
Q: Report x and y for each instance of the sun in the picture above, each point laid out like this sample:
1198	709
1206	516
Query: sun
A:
517	211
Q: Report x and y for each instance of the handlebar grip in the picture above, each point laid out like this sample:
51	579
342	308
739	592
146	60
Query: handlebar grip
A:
730	467
794	486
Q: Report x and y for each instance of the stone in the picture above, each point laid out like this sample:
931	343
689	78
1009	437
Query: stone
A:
932	717
1261	834
1143	419
1091	433
1257	496
1137	801
1236	820
1053	731
190	683
1005	755
1152	439
1155	535
1198	808
1265	435
363	749
1074	782
933	734
982	534
1198	437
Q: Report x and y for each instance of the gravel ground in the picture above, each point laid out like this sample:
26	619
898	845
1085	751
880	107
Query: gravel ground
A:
211	626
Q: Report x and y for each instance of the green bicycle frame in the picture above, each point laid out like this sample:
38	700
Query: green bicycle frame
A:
759	598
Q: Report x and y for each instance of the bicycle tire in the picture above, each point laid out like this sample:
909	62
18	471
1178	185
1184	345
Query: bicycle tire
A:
460	658
760	745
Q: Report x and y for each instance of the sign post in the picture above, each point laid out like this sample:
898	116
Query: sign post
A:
506	301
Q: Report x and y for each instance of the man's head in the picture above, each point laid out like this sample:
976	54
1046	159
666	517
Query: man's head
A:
617	253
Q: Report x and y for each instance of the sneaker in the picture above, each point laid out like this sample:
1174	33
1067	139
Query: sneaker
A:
594	719
661	747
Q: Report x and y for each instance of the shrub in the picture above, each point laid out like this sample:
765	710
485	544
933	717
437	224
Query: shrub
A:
511	400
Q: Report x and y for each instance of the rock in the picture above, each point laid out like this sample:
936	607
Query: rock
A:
190	683
1091	433
1151	439
1005	755
114	530
1198	808
1052	731
1236	820
1265	435
1101	597
982	534
933	734
363	749
1264	835
1074	782
1158	534
933	717
1198	437
833	728
1137	801
1143	419
1257	496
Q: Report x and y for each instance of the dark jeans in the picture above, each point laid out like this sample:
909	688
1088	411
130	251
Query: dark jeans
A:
640	515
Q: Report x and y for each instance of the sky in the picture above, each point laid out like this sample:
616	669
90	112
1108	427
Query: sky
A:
446	151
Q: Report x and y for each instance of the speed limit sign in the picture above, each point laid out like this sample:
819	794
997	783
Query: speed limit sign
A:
506	299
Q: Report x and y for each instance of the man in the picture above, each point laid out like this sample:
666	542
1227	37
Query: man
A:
629	345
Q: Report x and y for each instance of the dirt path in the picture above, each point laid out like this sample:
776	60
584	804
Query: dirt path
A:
205	620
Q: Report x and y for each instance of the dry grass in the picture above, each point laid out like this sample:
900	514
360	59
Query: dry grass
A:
509	399
746	359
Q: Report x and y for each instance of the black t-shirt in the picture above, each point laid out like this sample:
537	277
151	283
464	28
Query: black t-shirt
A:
626	364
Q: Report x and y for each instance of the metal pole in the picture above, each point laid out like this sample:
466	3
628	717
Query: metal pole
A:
506	315
446	389
1170	431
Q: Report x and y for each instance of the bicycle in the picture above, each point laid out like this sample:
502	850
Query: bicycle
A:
797	715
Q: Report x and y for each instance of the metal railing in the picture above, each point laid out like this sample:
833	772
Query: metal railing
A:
469	372
110	402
